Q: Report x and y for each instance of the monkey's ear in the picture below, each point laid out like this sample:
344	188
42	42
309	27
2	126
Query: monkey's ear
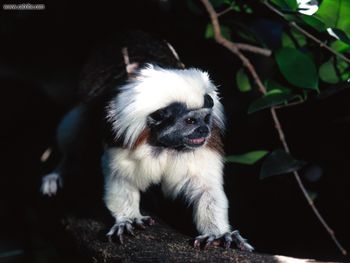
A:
208	101
157	117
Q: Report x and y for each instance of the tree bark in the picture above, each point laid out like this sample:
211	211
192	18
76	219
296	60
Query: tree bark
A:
158	243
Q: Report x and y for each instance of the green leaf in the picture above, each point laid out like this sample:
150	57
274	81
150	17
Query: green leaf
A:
245	32
286	4
313	21
297	68
340	46
249	158
272	99
209	31
287	40
248	9
328	71
335	14
242	81
279	162
273	85
225	31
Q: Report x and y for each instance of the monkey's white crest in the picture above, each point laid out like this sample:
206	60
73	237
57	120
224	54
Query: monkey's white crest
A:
155	88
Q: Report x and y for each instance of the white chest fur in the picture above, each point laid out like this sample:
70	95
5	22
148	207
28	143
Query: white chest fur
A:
143	167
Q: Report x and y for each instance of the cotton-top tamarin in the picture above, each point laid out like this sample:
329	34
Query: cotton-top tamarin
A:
162	124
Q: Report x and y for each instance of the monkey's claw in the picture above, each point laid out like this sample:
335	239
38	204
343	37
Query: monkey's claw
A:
119	229
127	227
144	221
205	241
225	240
241	243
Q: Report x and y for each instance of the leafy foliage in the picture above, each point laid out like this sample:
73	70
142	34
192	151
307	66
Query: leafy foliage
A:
242	79
335	14
305	69
272	98
279	162
297	68
247	158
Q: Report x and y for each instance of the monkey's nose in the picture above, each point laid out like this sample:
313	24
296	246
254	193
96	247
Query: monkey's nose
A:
202	130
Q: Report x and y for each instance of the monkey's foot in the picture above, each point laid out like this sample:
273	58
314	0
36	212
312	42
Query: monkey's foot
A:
127	226
225	240
144	221
50	183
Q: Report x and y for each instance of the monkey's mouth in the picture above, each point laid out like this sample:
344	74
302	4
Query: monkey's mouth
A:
195	141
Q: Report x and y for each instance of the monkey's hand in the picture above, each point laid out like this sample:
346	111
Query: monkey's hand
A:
225	240
128	226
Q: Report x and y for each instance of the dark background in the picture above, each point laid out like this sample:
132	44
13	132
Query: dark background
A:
41	55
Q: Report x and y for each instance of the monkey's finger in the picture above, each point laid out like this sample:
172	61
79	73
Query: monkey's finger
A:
60	182
246	247
121	239
112	230
197	243
130	229
53	187
139	224
241	242
227	244
149	221
198	240
227	240
209	242
120	233
121	229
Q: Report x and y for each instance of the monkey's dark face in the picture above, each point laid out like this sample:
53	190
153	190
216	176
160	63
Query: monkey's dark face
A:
180	128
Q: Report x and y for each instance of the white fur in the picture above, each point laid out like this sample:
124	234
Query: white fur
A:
155	88
197	174
50	183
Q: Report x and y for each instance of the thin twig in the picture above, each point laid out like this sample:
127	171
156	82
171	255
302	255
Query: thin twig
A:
301	185
224	11
307	34
271	7
301	30
234	49
289	104
254	49
228	44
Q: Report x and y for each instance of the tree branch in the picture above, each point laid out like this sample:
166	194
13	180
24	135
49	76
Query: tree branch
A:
235	50
228	44
258	50
225	11
161	243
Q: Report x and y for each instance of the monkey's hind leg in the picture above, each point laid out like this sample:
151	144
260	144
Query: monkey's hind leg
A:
123	199
50	183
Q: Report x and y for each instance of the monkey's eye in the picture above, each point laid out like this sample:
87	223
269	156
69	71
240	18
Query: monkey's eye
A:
207	118
190	120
